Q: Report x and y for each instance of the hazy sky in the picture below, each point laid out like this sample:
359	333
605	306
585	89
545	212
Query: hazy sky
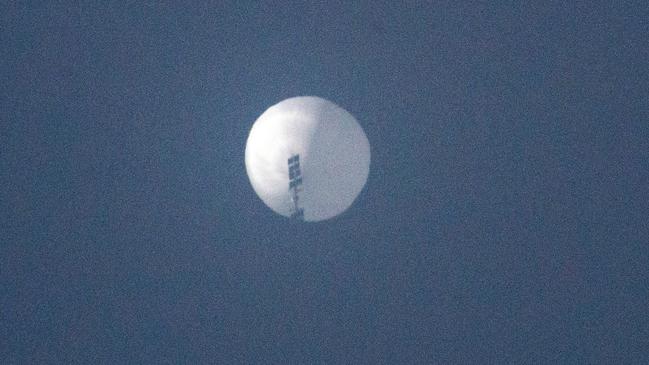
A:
504	219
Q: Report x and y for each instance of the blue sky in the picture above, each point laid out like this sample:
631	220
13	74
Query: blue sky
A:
504	219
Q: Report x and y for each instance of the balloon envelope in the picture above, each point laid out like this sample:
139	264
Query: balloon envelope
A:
334	157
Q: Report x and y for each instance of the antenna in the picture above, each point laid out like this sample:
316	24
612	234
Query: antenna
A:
295	186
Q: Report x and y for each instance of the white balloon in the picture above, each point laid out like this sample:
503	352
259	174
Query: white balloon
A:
334	157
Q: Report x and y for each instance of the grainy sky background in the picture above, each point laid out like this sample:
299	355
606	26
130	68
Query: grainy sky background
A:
504	220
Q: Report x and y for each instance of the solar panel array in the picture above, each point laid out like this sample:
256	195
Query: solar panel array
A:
295	181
